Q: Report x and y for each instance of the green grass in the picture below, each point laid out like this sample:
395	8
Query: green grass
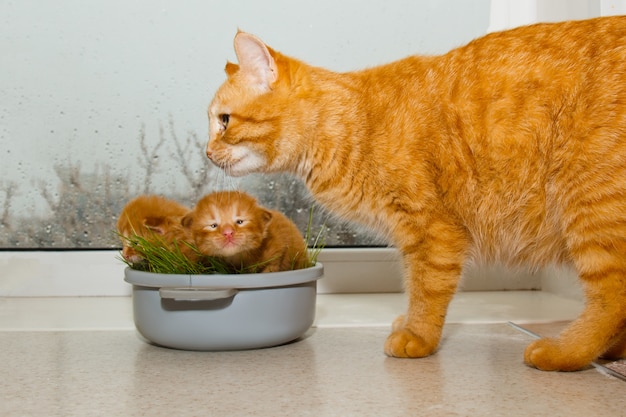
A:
316	242
162	258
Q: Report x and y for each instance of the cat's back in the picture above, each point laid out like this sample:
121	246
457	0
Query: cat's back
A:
548	44
541	65
536	86
543	81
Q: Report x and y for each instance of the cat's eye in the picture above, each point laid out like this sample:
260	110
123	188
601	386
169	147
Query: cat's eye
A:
224	119
212	226
239	221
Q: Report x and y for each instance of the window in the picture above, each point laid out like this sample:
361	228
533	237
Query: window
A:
102	101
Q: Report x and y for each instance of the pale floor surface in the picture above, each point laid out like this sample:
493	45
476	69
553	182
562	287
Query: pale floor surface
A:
82	357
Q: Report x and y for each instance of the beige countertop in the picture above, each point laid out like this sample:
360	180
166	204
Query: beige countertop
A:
82	357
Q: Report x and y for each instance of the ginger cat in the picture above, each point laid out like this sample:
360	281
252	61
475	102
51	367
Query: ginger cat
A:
232	226
153	217
511	148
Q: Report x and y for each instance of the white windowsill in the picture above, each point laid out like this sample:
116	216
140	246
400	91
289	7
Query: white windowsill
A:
333	310
351	270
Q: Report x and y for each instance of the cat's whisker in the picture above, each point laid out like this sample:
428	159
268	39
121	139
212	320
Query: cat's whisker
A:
224	178
233	183
227	178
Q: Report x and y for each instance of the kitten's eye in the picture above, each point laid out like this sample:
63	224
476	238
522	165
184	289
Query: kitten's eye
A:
212	226
239	221
224	119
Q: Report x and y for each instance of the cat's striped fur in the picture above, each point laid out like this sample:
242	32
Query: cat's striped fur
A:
511	149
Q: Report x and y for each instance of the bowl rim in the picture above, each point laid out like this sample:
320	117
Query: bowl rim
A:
224	281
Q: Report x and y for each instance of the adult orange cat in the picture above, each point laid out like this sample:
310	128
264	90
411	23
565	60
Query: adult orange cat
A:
232	226
153	217
511	148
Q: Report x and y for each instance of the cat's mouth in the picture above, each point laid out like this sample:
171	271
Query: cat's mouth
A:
229	167
230	248
237	167
240	162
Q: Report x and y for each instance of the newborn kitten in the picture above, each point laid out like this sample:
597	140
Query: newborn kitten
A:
232	226
152	217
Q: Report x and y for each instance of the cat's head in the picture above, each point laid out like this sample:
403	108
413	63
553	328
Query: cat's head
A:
151	228
227	223
249	130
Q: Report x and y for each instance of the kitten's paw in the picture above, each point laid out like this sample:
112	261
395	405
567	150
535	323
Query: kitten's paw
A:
549	355
403	343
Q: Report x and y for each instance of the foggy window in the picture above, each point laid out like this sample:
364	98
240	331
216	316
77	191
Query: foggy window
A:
102	101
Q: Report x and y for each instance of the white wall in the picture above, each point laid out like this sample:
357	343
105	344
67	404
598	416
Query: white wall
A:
507	14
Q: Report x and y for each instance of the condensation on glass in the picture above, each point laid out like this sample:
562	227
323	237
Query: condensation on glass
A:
103	101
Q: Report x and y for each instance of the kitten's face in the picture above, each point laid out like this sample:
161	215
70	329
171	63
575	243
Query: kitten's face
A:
245	132
226	224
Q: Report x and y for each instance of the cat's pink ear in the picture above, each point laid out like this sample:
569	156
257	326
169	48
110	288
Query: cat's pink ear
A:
255	60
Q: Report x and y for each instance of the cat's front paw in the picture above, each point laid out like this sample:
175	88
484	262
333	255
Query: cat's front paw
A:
403	343
549	355
398	323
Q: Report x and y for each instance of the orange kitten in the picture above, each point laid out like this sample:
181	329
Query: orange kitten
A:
152	217
231	225
511	148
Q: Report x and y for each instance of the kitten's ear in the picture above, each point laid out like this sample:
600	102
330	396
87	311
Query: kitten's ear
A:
266	216
231	68
154	224
255	60
187	220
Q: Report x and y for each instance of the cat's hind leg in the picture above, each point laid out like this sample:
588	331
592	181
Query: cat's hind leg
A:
592	209
433	263
618	347
598	329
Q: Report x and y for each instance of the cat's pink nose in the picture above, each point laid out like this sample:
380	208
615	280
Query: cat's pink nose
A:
209	153
228	233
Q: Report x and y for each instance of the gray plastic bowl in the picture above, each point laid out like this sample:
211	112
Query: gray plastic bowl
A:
224	312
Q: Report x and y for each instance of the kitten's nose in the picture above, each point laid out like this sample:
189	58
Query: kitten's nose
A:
209	153
228	233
